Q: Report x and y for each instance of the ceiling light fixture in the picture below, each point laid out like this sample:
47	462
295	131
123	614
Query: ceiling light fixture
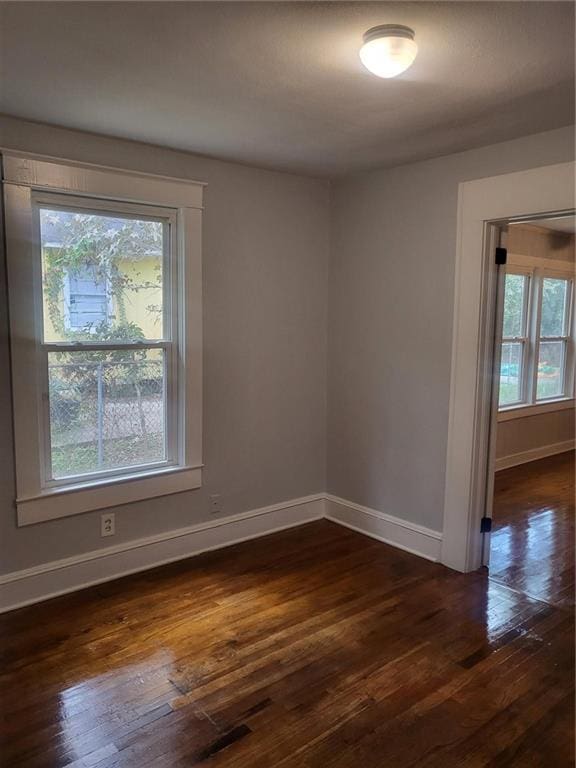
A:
388	49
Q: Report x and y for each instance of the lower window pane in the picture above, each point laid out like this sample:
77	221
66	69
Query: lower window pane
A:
550	370
510	374
106	410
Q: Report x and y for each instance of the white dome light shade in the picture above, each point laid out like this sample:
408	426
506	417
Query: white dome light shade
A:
388	49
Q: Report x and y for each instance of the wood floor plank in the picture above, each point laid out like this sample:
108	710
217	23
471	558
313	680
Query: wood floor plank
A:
532	547
313	647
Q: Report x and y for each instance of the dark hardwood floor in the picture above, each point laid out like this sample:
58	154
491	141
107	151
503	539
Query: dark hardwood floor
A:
310	648
532	547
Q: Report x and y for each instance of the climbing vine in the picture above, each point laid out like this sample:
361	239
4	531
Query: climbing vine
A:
102	246
90	242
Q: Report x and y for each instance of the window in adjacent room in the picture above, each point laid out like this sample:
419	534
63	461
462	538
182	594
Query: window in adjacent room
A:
536	353
515	341
553	337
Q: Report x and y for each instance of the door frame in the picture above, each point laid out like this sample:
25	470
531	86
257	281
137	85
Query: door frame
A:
483	205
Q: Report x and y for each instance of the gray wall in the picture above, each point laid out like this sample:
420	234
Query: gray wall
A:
529	432
390	323
265	285
266	273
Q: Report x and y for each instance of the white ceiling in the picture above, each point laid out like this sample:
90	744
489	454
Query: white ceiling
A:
281	84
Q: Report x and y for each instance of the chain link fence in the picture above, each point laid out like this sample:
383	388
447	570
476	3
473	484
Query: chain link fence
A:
105	415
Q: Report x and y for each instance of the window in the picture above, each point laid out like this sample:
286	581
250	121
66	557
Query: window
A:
107	405
85	298
107	349
536	362
514	339
553	338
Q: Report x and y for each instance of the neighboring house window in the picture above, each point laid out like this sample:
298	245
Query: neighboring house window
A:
103	396
537	351
86	298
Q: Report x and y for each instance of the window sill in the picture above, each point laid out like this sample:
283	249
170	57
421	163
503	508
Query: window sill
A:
53	503
535	409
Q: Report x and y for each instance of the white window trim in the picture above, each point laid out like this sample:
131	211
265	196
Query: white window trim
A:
23	177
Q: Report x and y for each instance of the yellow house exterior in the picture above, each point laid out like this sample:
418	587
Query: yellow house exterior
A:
139	305
143	307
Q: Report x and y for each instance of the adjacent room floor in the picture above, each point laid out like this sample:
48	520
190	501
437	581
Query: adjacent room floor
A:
532	549
314	647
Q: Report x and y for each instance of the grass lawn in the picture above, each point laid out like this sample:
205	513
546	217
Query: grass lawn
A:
547	387
80	458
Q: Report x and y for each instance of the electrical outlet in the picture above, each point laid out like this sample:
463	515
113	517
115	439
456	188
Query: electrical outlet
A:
215	504
107	524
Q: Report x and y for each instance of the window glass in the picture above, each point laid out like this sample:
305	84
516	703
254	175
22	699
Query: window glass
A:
550	369
102	276
514	305
106	410
510	373
554	301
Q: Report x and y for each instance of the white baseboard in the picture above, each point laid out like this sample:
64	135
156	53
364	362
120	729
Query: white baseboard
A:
58	577
505	462
391	530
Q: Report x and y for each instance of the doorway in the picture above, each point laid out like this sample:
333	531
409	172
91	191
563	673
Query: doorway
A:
483	206
531	458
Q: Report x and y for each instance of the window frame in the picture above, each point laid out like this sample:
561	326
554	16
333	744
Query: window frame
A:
168	344
30	183
566	339
538	269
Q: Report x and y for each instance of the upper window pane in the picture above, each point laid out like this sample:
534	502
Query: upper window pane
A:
554	307
102	276
514	305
